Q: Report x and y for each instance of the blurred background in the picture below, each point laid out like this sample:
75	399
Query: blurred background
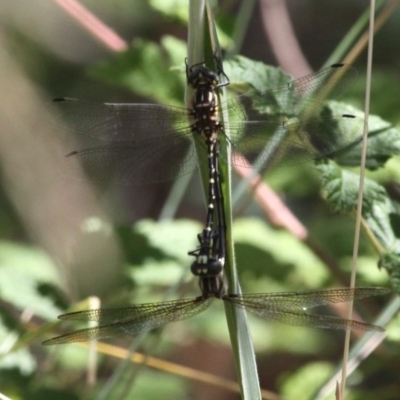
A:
63	239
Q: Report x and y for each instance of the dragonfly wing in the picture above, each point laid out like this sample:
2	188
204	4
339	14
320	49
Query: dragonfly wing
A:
85	335
268	144
262	121
120	122
130	320
293	301
294	142
107	315
312	320
151	161
306	94
328	134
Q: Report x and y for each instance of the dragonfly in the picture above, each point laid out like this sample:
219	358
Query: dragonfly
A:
150	143
286	307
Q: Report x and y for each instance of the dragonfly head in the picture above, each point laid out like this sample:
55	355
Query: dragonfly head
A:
203	266
202	77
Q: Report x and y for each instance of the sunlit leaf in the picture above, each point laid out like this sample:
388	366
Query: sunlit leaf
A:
263	251
383	140
391	263
306	380
176	10
26	276
341	189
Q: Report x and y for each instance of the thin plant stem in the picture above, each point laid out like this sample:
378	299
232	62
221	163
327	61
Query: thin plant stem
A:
361	190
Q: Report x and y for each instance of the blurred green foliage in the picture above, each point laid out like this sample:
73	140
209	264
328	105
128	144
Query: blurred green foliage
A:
33	290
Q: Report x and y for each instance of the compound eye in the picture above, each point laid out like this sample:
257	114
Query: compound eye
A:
193	77
198	269
210	75
214	267
210	268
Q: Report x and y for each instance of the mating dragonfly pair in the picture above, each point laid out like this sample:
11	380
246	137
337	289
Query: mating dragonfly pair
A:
141	132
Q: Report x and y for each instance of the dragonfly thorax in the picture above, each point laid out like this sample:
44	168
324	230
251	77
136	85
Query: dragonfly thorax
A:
204	113
212	286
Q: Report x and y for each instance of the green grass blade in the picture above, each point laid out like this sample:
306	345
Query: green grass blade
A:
241	342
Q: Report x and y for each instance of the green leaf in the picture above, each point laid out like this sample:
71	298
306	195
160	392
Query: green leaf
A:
341	189
336	130
273	92
152	240
252	77
379	221
169	385
245	73
342	192
28	281
26	276
391	263
158	251
383	139
177	10
393	328
146	69
173	238
261	252
306	380
21	359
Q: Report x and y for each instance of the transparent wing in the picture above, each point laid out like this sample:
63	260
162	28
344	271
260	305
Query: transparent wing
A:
145	143
306	299
293	121
296	142
130	320
125	163
148	143
303	96
284	307
314	321
119	122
